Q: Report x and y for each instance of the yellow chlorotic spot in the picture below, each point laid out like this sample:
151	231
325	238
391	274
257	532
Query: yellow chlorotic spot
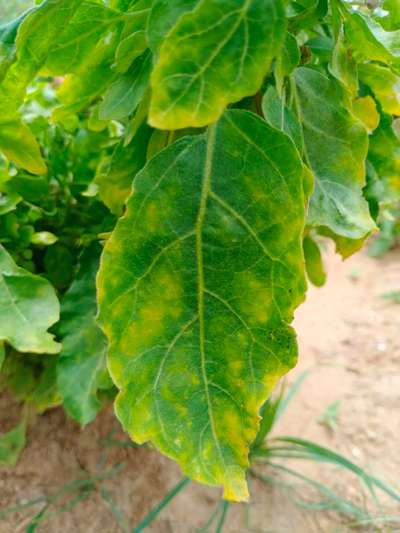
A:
152	217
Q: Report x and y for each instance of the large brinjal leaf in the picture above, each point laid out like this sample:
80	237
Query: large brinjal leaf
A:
82	362
28	307
216	54
336	145
197	286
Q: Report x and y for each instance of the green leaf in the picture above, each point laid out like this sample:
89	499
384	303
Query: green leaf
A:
45	393
216	54
8	35
2	353
287	61
82	362
73	48
133	41
343	65
281	117
36	35
12	444
90	79
384	84
125	94
163	16
392	20
115	177
196	288
336	146
314	265
370	41
28	307
18	144
384	154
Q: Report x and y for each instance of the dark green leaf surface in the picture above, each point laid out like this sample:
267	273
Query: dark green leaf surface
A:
82	362
216	54
28	307
196	288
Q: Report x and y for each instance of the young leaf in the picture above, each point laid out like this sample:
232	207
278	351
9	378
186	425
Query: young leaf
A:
124	95
134	38
196	288
336	146
28	307
82	362
216	54
314	265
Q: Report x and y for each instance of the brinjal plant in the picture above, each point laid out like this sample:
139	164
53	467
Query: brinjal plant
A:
168	169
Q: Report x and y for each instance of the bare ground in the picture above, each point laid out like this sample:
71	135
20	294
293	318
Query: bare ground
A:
349	339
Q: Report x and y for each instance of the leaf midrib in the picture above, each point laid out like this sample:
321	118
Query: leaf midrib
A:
206	187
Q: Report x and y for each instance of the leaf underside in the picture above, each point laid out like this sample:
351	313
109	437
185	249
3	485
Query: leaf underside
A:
196	288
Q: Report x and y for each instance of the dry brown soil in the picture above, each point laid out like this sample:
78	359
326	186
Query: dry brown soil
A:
349	339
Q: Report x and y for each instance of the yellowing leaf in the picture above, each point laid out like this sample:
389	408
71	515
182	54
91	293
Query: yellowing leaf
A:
197	286
364	108
28	307
384	84
216	54
35	36
19	145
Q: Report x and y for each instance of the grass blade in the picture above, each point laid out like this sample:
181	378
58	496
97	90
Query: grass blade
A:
319	453
152	515
294	389
333	502
221	522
